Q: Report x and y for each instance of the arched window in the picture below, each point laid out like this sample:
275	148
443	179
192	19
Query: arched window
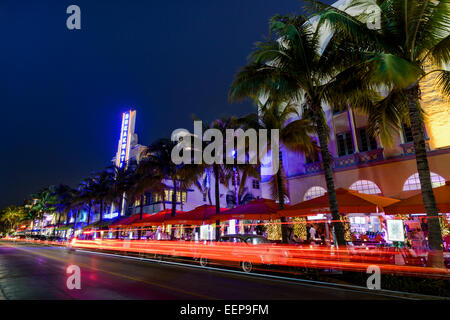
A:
365	186
413	182
314	192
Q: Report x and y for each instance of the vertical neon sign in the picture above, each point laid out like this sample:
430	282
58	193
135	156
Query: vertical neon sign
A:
124	144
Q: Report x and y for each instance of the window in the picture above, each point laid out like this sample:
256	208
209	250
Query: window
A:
339	109
148	199
407	134
365	186
181	196
366	141
314	192
413	182
344	144
255	184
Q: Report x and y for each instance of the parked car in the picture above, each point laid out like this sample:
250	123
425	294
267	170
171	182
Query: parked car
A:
266	252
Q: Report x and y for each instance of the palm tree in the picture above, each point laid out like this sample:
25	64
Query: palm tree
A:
44	202
157	159
223	172
291	67
64	198
145	179
102	183
294	136
11	216
411	43
123	181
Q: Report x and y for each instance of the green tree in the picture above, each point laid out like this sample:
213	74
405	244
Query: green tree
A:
291	66
11	216
411	42
294	134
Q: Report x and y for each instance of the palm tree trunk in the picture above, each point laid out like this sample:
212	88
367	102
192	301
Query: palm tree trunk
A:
217	198
328	171
54	228
436	258
141	214
101	211
284	226
75	223
174	207
174	198
89	214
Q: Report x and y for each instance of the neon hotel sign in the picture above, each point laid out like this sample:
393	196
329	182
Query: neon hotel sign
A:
124	145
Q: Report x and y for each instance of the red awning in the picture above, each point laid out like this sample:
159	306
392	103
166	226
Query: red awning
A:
156	219
414	204
128	220
349	201
260	209
195	217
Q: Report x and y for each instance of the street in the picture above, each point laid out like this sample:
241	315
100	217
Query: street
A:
30	271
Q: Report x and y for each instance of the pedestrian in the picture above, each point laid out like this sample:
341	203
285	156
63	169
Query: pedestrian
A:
312	232
308	234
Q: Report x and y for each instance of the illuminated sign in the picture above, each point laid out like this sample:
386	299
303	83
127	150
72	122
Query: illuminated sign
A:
124	143
110	215
395	230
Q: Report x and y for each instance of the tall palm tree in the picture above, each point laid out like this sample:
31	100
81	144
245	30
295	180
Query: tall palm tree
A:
222	172
122	185
157	158
44	202
411	42
11	216
64	198
102	183
292	66
295	135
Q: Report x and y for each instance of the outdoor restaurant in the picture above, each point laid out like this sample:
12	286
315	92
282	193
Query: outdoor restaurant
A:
369	220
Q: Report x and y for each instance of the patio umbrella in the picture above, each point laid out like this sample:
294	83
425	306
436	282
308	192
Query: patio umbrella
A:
414	204
260	209
349	201
195	216
156	219
128	220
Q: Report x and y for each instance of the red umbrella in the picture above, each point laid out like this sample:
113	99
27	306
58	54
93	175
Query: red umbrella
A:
260	209
414	204
156	219
128	220
349	201
195	217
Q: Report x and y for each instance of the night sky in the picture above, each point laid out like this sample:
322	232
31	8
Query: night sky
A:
62	91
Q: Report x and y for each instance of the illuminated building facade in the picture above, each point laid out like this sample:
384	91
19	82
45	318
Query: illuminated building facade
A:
200	193
362	162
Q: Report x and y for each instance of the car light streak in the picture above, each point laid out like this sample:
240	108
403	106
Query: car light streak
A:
314	257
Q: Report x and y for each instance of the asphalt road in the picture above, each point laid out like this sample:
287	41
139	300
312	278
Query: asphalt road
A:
37	272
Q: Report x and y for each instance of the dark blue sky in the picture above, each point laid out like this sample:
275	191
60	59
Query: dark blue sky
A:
62	92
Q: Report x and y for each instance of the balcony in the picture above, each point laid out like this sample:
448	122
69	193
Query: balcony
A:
347	161
370	156
358	158
408	148
313	167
